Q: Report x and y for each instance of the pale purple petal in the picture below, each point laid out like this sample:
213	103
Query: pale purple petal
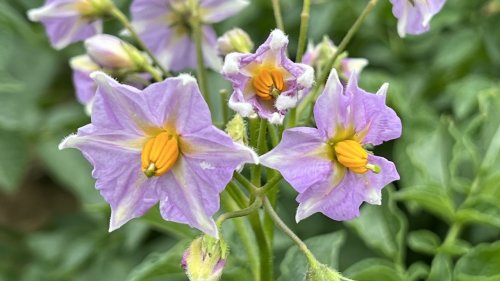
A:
85	86
217	10
63	23
353	65
331	108
189	199
373	119
388	174
119	107
303	158
115	156
183	106
414	19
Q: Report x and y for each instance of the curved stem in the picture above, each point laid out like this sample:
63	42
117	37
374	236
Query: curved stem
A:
245	182
277	14
270	184
281	225
342	46
117	14
240	213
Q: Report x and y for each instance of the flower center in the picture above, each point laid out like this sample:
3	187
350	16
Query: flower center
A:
268	83
159	154
353	156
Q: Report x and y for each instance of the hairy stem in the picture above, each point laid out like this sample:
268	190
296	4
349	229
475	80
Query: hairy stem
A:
240	213
304	24
117	14
281	225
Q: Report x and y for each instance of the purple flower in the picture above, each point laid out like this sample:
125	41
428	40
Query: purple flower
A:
414	15
317	56
267	82
329	166
158	145
164	26
111	52
69	21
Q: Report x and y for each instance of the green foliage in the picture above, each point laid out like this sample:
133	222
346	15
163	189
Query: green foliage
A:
324	247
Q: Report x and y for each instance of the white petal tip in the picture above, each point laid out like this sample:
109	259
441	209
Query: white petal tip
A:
99	76
242	108
231	64
276	118
285	102
34	15
186	79
66	142
383	90
278	39
306	79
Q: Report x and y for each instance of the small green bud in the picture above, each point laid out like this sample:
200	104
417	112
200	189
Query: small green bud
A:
234	40
205	258
237	130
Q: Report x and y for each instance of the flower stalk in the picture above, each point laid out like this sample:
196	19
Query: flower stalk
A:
118	15
277	14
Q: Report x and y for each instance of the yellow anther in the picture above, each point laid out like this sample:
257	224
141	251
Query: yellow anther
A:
159	154
353	156
268	83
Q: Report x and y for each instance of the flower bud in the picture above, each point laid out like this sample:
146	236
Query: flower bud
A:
321	272
237	130
111	52
94	8
234	40
205	258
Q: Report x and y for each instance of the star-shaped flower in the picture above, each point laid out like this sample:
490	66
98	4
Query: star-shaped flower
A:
414	16
158	145
165	28
330	166
267	82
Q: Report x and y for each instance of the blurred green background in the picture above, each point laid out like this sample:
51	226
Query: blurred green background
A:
444	85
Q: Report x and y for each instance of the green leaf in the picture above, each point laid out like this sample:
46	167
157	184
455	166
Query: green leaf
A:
424	241
432	198
161	266
441	268
382	228
457	248
69	168
13	159
417	271
462	93
374	269
324	247
482	263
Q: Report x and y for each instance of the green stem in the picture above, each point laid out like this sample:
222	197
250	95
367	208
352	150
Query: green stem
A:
224	97
230	204
237	195
453	233
240	213
304	24
265	251
245	182
277	14
200	62
151	70
117	14
281	225
273	182
342	46
273	133
261	143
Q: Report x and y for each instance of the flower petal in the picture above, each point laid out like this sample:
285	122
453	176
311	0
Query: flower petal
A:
190	198
341	197
178	102
331	108
119	107
371	115
115	157
302	157
415	18
217	10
